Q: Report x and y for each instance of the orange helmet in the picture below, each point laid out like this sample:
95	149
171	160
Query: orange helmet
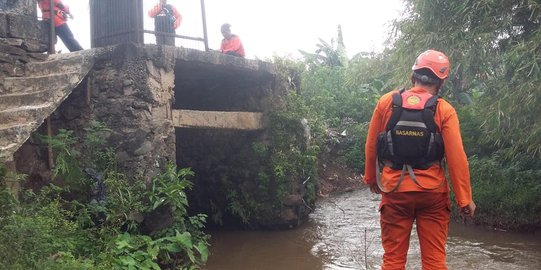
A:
436	61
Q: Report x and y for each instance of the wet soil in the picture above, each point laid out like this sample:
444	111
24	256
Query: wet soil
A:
335	178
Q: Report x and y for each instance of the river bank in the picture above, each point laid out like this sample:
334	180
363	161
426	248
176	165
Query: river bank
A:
336	178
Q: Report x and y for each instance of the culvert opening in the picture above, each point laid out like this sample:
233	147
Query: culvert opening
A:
225	166
218	118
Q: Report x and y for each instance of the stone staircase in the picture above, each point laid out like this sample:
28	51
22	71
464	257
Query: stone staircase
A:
25	102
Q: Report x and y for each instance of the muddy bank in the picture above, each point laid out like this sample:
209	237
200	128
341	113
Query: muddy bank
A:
336	178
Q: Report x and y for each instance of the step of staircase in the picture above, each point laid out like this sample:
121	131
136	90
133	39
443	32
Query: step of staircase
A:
18	85
25	114
12	137
7	150
55	64
25	102
13	101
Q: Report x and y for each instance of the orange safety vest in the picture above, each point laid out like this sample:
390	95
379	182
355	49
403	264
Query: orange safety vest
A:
157	9
60	14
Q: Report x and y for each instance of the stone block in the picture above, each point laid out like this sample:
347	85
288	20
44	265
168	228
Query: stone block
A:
7	58
22	58
37	46
24	27
17	42
144	149
38	56
12	50
26	7
13	70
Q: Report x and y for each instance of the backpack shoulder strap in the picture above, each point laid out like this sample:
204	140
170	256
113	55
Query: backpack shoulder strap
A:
429	111
397	109
168	8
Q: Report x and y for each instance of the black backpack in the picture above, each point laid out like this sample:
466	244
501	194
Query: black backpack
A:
165	23
168	10
411	139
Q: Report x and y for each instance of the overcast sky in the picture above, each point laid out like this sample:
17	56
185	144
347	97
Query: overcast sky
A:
279	27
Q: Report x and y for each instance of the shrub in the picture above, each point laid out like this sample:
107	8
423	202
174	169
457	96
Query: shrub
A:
93	221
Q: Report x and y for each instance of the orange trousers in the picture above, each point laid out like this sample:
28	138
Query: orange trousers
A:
430	211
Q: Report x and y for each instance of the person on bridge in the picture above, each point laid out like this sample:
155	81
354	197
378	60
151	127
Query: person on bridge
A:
231	43
410	133
61	15
166	20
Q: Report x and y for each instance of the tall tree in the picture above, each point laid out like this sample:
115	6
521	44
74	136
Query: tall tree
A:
327	53
494	47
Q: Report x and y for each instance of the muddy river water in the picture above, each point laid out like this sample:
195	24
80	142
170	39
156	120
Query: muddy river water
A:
343	233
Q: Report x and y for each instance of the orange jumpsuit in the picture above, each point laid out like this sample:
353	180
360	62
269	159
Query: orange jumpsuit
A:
62	29
233	45
428	208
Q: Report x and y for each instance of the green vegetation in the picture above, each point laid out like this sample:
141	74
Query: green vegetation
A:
274	175
289	153
495	52
255	188
494	47
97	218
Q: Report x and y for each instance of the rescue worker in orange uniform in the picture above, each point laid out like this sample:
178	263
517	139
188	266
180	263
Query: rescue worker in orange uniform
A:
166	20
231	43
61	14
417	193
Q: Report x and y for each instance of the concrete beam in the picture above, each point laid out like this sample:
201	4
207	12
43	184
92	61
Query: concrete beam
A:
215	119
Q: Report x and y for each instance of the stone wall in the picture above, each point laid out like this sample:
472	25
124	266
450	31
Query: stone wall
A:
22	37
131	96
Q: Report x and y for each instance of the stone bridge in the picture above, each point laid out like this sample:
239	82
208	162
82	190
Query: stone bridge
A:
202	110
212	90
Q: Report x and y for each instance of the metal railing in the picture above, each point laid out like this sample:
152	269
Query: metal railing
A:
52	32
120	21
